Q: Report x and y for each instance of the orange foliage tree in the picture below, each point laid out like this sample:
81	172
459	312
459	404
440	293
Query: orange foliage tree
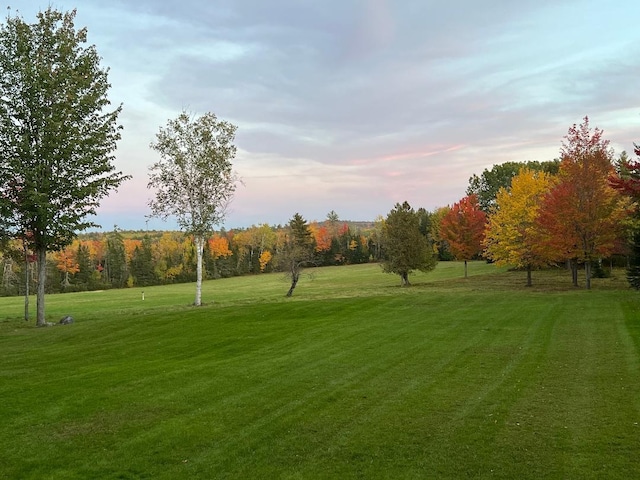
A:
66	261
218	248
581	216
462	227
130	245
322	237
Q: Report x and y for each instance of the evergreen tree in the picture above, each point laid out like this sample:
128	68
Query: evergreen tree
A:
142	264
85	266
633	271
298	250
627	180
115	269
405	248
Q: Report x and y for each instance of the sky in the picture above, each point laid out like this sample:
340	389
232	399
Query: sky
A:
355	105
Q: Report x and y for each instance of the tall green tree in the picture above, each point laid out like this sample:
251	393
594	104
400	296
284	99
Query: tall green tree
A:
488	184
405	248
194	179
141	265
57	134
85	267
115	268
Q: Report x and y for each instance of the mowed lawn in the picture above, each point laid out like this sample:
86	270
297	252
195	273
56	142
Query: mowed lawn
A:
352	377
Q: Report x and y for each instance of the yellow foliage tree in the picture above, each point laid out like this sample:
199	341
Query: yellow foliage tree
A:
511	235
218	248
265	258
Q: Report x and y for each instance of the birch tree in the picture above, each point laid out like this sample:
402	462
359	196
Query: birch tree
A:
194	179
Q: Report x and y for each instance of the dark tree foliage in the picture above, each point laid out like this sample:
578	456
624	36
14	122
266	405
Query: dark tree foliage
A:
142	264
627	180
487	185
85	267
57	135
115	267
405	248
633	270
298	250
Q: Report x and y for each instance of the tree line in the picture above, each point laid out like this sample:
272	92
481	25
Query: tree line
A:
574	211
125	259
58	135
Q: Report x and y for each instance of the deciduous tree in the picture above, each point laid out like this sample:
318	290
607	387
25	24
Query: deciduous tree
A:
581	215
440	244
512	237
194	179
218	248
463	229
405	248
57	134
66	262
487	185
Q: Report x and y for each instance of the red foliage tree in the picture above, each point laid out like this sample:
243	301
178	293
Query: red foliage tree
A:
628	179
463	227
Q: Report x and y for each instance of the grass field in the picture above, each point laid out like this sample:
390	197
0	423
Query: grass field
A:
353	377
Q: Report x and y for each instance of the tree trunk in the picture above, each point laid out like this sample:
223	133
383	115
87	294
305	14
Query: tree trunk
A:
465	269
294	281
199	242
574	271
41	255
404	279
26	286
529	283
587	274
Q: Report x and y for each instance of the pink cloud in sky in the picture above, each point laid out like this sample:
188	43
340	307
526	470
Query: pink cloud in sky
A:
354	106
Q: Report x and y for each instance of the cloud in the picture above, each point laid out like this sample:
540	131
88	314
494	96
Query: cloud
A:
353	106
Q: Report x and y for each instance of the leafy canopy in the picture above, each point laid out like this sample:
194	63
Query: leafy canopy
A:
488	184
512	232
194	180
462	227
582	214
405	248
57	134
